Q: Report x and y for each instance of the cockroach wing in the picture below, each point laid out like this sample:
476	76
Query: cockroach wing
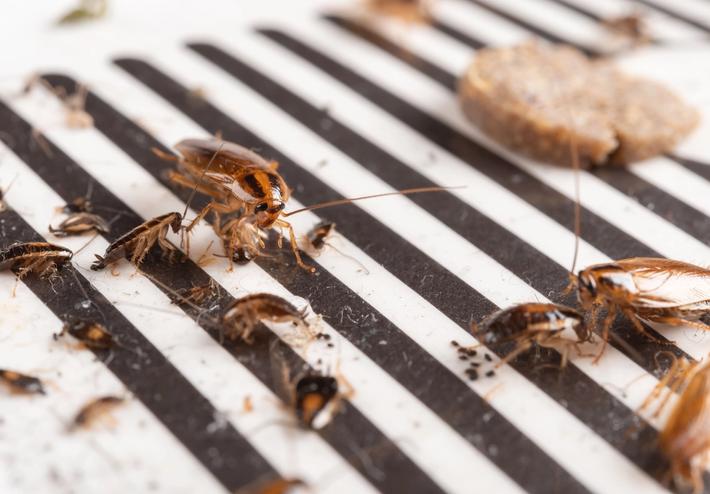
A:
687	431
663	283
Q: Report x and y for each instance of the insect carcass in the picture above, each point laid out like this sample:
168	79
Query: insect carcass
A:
42	258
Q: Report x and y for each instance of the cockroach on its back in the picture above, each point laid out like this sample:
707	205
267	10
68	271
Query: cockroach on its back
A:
91	334
244	314
656	290
533	324
135	244
19	383
90	413
39	257
80	223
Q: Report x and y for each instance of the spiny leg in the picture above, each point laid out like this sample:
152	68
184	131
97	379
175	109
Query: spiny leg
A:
610	316
519	348
640	329
294	246
678	321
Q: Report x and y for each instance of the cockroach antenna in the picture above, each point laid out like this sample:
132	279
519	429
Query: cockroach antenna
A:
577	199
403	192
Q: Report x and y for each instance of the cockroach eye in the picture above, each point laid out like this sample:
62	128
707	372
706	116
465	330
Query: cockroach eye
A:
261	207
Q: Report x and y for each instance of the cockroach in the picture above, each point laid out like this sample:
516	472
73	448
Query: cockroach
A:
663	291
405	10
196	294
80	223
90	413
685	437
531	324
244	314
316	399
21	383
631	27
91	334
40	257
135	244
239	180
317	239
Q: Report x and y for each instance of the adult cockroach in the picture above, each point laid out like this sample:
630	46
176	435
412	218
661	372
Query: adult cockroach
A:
91	334
20	383
685	437
39	257
80	223
136	243
239	180
531	324
94	410
244	314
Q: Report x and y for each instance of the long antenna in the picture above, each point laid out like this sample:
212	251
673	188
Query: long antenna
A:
199	181
577	206
339	202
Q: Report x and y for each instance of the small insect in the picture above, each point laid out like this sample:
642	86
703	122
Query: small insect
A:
135	244
81	204
317	239
642	288
91	334
239	180
685	437
21	383
95	410
532	324
196	294
317	399
39	257
631	27
244	314
405	10
80	223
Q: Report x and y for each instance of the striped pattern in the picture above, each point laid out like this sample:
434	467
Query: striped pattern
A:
347	109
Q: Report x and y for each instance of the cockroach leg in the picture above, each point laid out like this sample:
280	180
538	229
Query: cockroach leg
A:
294	246
608	320
679	321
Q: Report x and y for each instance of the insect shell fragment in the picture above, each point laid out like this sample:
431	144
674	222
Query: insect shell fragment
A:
316	400
657	290
80	223
135	244
21	383
38	257
533	324
242	317
94	410
317	236
92	334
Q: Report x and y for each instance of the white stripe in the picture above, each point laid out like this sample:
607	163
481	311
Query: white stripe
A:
467	17
551	435
37	452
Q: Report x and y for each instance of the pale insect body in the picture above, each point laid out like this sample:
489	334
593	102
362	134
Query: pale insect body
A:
18	383
94	411
43	258
135	244
242	317
80	223
662	291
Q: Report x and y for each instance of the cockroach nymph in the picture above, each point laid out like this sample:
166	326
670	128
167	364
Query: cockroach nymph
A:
316	399
42	258
196	294
21	383
405	10
316	236
90	413
91	334
533	324
135	244
244	314
642	288
239	180
80	223
685	437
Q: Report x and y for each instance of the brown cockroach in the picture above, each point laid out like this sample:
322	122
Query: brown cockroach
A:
531	324
94	410
135	244
244	314
91	334
21	383
239	180
79	224
40	257
316	239
196	294
685	437
644	288
631	27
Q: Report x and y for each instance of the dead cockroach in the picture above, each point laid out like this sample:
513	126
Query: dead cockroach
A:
80	223
91	334
317	398
405	10
135	244
244	314
196	294
39	257
685	437
533	324
317	239
21	383
94	410
239	180
643	288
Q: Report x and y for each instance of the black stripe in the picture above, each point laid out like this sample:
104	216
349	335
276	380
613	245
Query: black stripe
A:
350	433
443	392
138	364
697	167
549	280
676	15
589	14
533	28
465	38
448	293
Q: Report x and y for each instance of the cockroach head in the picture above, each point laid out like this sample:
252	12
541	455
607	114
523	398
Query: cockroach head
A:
586	289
